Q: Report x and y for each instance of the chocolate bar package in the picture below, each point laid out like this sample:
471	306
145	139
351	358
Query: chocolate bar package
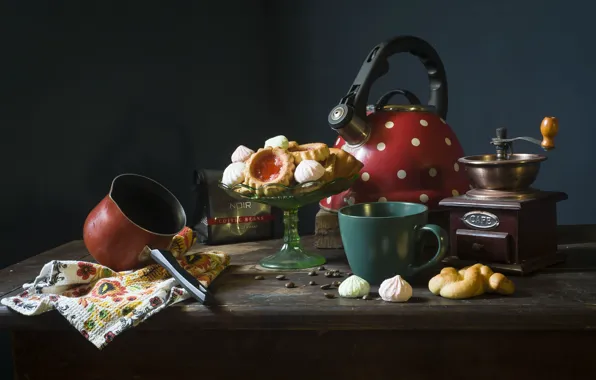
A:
222	219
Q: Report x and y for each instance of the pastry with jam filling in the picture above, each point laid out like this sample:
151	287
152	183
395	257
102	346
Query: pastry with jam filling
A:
269	166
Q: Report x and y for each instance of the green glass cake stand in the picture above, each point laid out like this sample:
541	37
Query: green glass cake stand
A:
292	254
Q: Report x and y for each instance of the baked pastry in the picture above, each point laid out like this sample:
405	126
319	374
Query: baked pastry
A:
329	165
287	163
269	166
233	174
241	154
313	151
346	165
308	170
469	282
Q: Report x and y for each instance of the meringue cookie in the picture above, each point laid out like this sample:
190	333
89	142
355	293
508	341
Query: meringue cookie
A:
241	154
308	170
234	174
278	142
353	287
395	289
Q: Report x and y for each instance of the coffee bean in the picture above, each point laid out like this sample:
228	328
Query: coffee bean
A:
336	274
312	273
259	278
290	285
312	283
326	286
367	297
281	277
321	268
334	270
328	274
329	295
336	283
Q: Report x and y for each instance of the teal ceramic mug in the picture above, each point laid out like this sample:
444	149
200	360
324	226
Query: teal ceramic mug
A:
383	239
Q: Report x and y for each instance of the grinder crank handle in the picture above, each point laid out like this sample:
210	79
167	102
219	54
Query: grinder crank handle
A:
549	129
185	279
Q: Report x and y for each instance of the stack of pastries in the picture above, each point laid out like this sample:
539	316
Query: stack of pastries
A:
288	163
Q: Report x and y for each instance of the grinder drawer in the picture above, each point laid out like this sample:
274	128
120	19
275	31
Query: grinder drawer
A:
484	246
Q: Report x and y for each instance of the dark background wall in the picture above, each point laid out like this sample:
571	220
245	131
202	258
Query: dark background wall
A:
89	90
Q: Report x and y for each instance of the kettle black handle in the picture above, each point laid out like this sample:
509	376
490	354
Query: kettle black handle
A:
376	65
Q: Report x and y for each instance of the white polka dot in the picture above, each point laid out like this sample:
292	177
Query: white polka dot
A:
454	192
329	200
337	141
389	124
432	172
381	146
456	167
351	200
401	174
415	141
365	176
382	199
442	121
447	141
424	123
423	198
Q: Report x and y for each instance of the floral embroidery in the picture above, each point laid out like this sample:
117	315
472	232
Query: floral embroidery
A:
86	270
108	288
155	301
110	303
109	337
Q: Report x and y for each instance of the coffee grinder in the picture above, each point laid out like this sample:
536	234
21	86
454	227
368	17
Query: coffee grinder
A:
502	221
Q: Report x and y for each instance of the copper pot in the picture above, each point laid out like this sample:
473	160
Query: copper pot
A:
138	213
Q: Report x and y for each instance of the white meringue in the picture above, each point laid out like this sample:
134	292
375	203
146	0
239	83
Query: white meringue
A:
241	154
395	289
353	287
234	174
280	141
308	170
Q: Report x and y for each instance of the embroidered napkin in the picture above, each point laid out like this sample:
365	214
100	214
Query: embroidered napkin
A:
101	303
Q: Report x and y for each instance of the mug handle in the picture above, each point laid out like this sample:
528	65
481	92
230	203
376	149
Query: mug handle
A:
441	250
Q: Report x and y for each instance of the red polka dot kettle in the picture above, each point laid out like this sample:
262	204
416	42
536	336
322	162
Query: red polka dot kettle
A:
409	151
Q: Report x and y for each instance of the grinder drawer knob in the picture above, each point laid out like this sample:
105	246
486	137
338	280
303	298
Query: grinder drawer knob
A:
549	129
477	247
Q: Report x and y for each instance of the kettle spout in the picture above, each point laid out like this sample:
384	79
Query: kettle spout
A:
353	129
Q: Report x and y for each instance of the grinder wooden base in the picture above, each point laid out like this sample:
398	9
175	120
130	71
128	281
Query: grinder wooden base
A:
514	236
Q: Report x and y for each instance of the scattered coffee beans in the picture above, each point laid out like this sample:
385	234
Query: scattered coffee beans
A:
326	286
329	295
312	283
321	268
328	274
312	273
336	283
290	285
336	274
259	278
281	277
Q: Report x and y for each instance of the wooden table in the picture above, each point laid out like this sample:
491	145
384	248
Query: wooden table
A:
262	330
